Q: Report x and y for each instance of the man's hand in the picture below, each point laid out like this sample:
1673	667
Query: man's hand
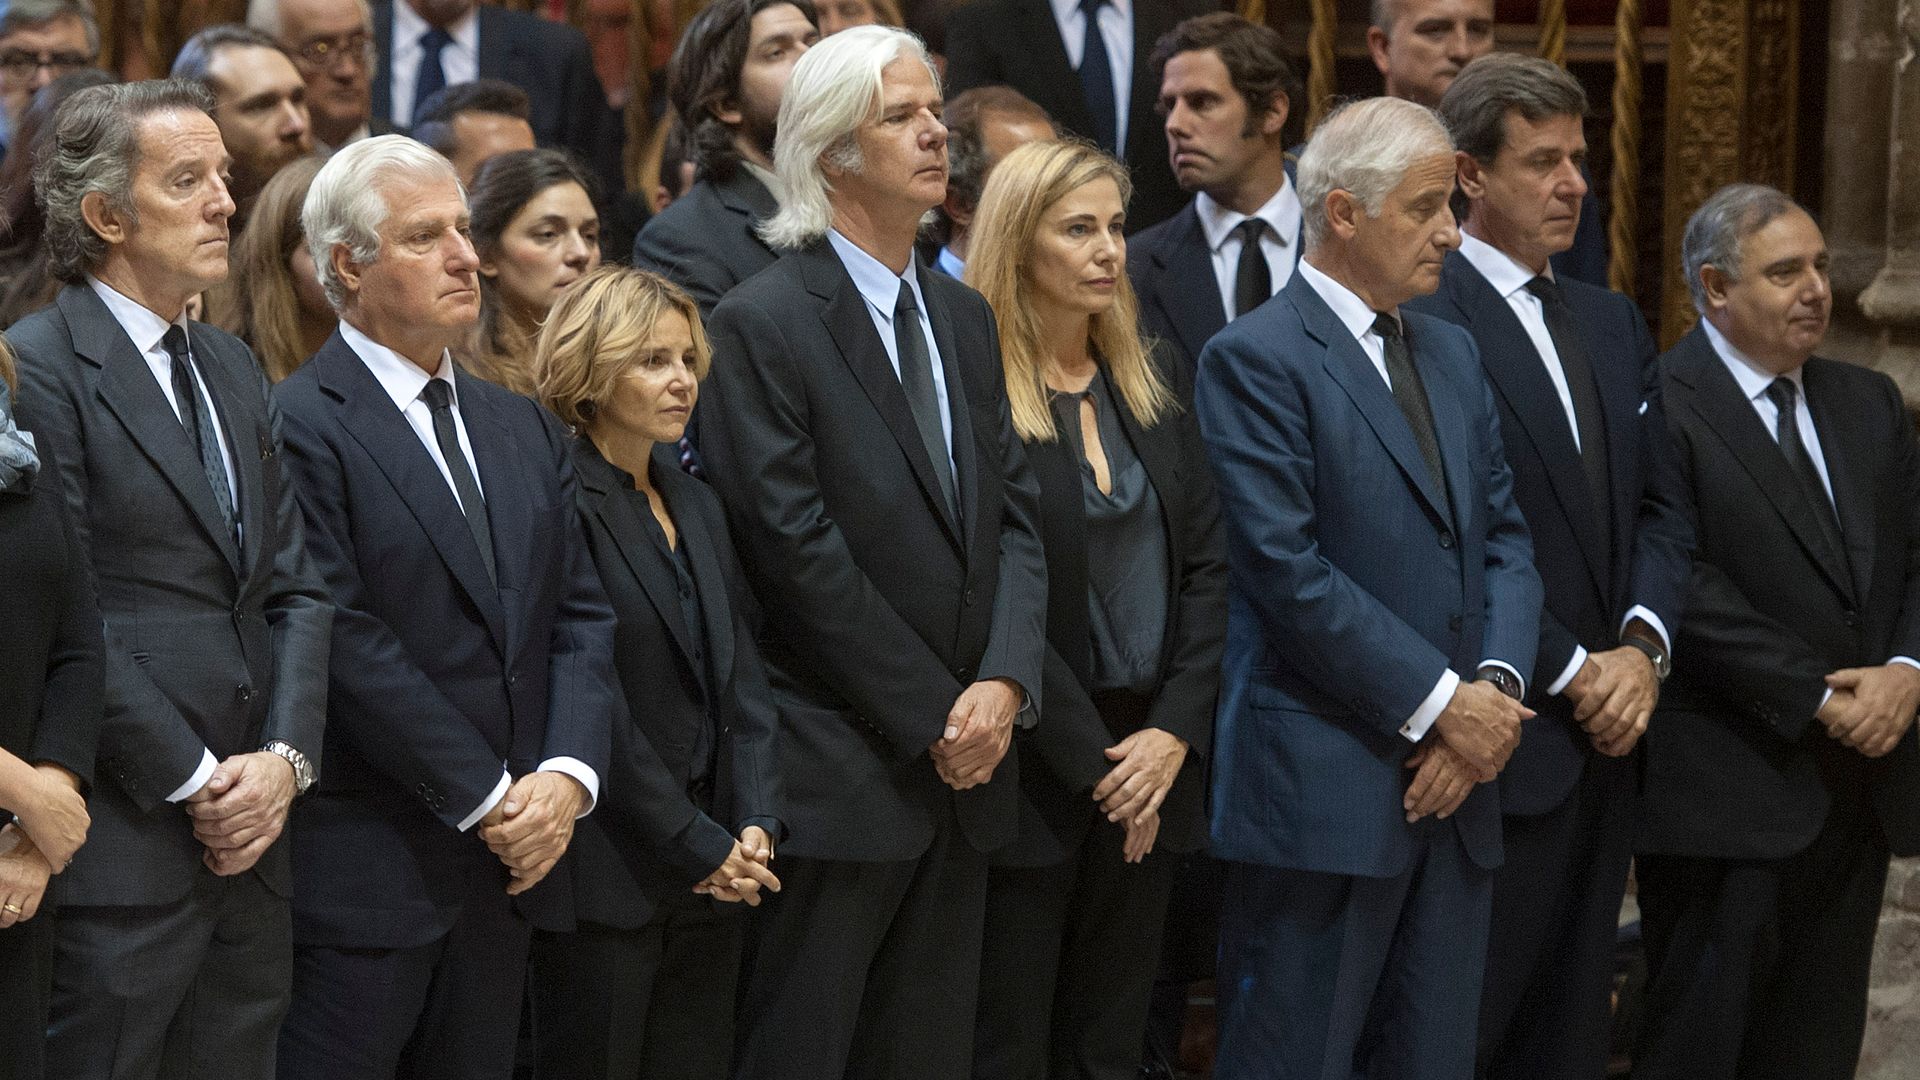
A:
23	878
1443	781
55	816
741	876
757	843
1613	696
1482	725
1883	702
979	730
535	826
242	809
1149	759
1141	832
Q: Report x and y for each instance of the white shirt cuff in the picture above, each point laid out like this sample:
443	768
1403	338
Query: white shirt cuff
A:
487	804
1430	709
1647	616
1509	669
199	778
1824	698
580	771
1907	660
1572	669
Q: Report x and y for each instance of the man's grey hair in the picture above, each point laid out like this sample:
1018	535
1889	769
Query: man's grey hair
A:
1381	13
1475	107
1365	148
1715	231
33	14
264	15
95	147
835	88
347	202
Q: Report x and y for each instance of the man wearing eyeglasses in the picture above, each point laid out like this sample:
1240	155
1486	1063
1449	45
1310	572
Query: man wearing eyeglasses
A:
332	45
41	40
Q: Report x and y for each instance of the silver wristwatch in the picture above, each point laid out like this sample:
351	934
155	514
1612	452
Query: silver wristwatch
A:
302	768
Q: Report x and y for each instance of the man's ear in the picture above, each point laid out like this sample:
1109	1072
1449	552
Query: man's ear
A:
1343	213
728	112
344	268
1377	48
103	218
957	212
1470	174
1275	118
1713	283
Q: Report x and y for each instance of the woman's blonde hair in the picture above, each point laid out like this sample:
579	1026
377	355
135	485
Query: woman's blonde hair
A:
594	333
265	308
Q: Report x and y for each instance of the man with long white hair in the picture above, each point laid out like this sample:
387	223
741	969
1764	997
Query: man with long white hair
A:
1383	616
857	429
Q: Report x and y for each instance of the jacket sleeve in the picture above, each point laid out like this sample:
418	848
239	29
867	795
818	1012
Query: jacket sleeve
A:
299	613
67	732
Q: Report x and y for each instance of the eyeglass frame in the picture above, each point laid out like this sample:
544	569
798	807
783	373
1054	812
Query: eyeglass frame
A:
321	54
24	63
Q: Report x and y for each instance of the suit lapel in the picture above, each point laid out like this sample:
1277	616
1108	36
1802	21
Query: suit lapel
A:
1043	50
382	103
966	457
1843	445
709	580
1157	449
498	58
613	504
1192	293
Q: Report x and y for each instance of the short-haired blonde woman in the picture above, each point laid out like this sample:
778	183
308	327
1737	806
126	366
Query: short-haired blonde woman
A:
273	301
645	986
1112	778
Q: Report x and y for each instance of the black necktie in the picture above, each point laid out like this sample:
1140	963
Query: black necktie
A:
1783	392
1096	80
1581	387
1411	395
916	378
432	77
1252	282
186	396
439	395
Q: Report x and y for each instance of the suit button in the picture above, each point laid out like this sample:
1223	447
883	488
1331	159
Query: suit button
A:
512	677
1446	539
1853	618
244	693
965	674
1453	623
238	611
967	597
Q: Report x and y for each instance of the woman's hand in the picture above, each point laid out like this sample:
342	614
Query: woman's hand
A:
1149	759
55	815
23	877
740	877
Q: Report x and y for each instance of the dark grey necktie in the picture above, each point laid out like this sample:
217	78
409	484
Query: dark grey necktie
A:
1253	281
200	428
439	397
916	378
1411	395
431	76
1581	387
1783	393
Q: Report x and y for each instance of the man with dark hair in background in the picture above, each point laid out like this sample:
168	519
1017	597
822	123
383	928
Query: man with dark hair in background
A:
471	122
260	104
984	125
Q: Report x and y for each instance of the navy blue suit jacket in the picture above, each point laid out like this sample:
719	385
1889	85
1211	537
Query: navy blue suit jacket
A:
1596	563
437	677
1350	591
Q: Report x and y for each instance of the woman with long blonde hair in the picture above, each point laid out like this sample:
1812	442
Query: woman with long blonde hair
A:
1111	780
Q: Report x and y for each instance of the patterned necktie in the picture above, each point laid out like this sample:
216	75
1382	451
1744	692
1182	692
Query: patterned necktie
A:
200	427
1096	80
1411	395
1253	281
439	395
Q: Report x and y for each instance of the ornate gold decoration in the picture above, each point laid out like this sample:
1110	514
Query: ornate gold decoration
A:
1628	70
1553	31
1320	61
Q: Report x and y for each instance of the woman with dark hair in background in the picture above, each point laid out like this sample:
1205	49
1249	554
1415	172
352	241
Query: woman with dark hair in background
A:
1112	778
25	285
536	232
273	300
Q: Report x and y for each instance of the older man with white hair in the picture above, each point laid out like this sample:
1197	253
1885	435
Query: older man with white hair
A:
858	432
471	691
1383	616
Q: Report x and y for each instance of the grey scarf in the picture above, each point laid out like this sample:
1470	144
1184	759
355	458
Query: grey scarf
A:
18	461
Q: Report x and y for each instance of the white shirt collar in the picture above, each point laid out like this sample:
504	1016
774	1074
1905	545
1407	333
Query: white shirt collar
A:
1753	378
140	323
1505	273
878	284
1353	312
1281	213
1063	10
408	26
400	377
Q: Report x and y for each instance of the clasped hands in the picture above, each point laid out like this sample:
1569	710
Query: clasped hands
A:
53	825
1470	743
241	810
530	828
1131	793
1871	707
979	730
745	871
1613	696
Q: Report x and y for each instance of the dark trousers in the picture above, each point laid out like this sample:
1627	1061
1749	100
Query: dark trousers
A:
191	989
26	991
1190	946
652	1003
1070	954
1330	977
1757	969
1545	1011
447	1010
867	971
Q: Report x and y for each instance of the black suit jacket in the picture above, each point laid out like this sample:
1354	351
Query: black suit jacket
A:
705	242
1733	764
438	677
208	647
880	608
1063	757
1596	562
1016	42
655	835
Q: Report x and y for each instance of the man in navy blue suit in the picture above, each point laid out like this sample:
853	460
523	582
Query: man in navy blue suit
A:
1572	368
471	690
1224	90
1382	618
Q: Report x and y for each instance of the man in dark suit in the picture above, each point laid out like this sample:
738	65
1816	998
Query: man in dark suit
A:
1572	368
173	955
984	125
1085	62
862	443
423	46
726	78
1224	88
1383	613
471	693
1782	764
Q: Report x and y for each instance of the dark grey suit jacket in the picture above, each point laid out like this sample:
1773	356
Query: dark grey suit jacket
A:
206	645
705	242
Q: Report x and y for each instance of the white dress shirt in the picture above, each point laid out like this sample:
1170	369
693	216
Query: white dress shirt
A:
146	329
1116	32
405	383
460	61
1509	278
880	287
950	264
1278	243
1358	318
